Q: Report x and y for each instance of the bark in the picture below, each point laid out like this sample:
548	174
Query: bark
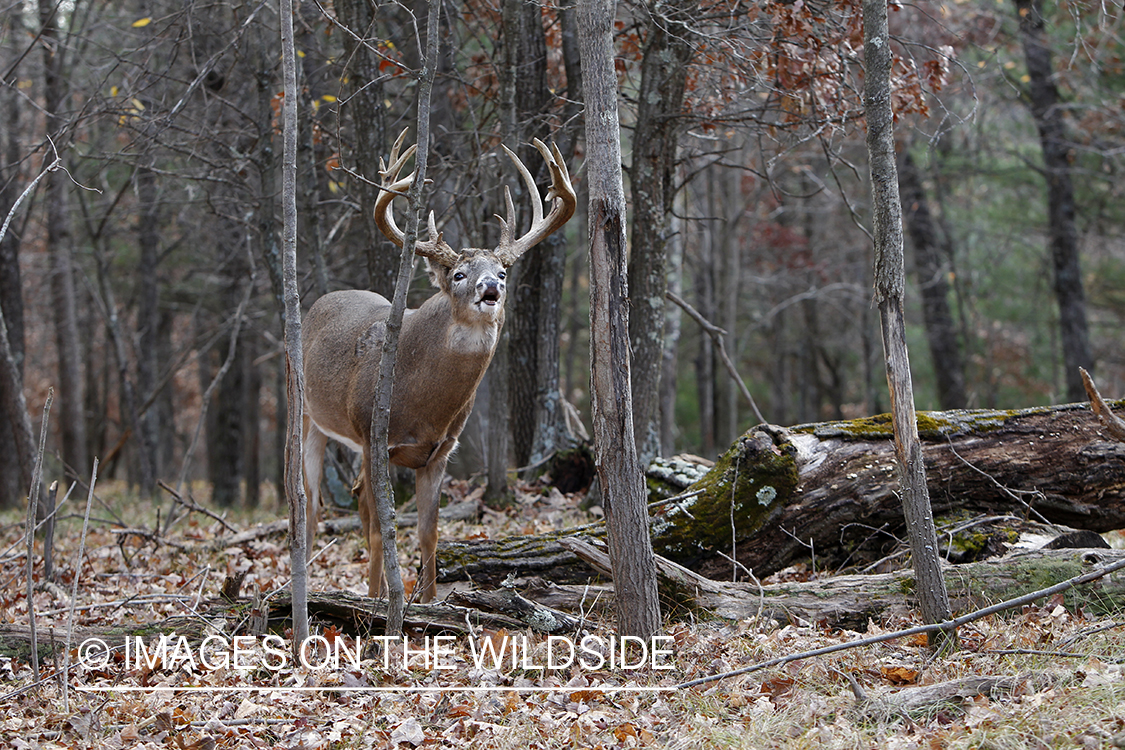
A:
830	489
889	282
668	49
365	112
941	331
637	606
225	422
536	282
11	290
251	421
15	477
13	407
573	112
148	322
704	363
294	363
670	363
1046	109
266	161
71	390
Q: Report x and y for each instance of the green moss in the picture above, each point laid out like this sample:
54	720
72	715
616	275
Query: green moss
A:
745	486
932	425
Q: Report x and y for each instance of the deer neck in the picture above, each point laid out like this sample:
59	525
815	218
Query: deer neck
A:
470	335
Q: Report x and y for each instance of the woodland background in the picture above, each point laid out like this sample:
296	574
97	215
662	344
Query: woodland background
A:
142	281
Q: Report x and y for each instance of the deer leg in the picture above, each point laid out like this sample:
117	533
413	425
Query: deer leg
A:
427	489
369	519
312	455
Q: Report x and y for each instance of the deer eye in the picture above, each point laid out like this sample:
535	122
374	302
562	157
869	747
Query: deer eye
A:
459	276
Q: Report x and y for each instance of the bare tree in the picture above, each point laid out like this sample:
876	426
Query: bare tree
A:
295	386
668	48
623	487
60	243
1046	108
932	271
889	295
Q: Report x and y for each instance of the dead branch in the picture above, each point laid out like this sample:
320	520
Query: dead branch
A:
1113	423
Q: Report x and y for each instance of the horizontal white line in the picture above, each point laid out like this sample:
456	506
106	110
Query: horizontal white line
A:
389	689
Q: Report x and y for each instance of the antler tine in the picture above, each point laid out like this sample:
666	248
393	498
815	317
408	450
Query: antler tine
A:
561	194
392	186
436	249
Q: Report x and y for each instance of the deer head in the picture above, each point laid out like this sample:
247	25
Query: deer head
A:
560	195
445	347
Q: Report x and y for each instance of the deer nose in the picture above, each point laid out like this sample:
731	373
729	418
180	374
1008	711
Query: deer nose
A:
491	290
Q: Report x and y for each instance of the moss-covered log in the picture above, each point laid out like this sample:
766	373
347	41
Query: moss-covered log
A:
851	601
1054	464
828	490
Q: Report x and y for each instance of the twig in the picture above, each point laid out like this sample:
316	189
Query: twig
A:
946	626
32	506
74	586
206	400
190	504
676	498
27	191
118	603
716	335
1014	494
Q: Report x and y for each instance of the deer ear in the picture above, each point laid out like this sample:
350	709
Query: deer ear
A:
438	273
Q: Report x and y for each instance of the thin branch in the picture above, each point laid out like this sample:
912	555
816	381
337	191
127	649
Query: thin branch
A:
32	505
74	585
716	335
190	504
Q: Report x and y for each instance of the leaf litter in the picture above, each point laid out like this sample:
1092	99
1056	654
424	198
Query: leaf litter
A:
1064	686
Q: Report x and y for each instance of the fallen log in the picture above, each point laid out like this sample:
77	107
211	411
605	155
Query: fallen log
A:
353	614
851	601
829	491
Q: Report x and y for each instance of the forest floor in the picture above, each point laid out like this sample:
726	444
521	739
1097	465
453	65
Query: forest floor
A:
1068	686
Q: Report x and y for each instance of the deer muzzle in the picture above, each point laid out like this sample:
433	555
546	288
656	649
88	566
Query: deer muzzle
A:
491	291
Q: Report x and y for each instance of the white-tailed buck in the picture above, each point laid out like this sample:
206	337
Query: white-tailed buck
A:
444	349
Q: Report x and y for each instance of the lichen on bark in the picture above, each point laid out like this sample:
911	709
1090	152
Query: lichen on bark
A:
751	480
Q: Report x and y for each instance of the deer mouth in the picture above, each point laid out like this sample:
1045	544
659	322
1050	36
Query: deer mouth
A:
490	297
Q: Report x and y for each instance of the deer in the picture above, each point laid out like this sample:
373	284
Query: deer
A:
445	347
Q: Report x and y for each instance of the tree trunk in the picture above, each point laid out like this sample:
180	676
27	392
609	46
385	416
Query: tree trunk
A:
670	364
889	283
148	322
829	489
366	114
1046	109
71	392
941	332
294	363
15	424
623	493
667	51
536	283
225	422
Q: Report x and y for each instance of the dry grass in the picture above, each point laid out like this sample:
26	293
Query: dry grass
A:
805	704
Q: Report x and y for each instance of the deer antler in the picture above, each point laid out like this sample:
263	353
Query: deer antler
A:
435	248
561	193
